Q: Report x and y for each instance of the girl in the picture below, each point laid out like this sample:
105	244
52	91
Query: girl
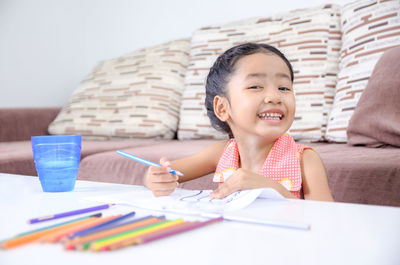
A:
249	95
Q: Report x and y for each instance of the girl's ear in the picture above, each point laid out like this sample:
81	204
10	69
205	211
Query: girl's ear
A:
221	107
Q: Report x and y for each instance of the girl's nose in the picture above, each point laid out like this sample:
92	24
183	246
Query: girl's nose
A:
272	95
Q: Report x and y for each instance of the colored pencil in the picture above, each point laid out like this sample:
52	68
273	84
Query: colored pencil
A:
110	227
182	229
159	234
149	227
269	222
49	227
136	239
63	223
84	242
98	245
65	214
57	236
117	225
147	162
100	226
17	241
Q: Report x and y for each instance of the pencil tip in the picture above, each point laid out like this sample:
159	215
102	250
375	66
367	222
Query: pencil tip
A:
69	247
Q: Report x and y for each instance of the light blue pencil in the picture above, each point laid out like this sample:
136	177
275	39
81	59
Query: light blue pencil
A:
146	162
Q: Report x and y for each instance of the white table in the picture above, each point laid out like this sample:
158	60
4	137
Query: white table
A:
340	233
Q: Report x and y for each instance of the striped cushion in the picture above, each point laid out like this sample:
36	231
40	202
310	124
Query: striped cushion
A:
369	28
310	38
134	96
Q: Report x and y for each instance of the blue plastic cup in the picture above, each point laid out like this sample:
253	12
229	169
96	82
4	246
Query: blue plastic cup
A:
57	161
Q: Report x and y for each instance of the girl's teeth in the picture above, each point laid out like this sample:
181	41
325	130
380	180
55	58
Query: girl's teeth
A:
272	116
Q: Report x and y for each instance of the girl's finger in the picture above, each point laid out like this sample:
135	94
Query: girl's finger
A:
222	191
217	194
158	170
164	178
165	162
160	187
162	193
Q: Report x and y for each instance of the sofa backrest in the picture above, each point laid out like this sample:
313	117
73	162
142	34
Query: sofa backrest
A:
158	92
21	123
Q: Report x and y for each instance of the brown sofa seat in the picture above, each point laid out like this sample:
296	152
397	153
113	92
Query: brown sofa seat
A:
361	174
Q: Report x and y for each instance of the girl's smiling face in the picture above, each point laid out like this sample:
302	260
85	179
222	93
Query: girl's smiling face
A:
260	99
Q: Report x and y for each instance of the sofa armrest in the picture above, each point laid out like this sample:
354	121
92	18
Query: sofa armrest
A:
18	124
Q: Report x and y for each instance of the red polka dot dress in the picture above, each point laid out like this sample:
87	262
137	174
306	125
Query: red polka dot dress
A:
282	163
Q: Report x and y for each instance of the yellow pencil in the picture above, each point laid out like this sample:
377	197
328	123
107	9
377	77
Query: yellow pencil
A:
98	245
138	239
80	243
162	233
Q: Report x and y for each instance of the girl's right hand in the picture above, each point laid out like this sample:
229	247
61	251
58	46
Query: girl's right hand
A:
159	180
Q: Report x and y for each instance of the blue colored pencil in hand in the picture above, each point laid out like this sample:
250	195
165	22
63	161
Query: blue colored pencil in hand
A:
146	162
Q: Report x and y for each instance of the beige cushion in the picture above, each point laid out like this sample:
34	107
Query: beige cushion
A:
376	119
310	38
369	28
134	96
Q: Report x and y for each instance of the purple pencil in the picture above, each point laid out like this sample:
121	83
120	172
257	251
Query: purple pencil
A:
183	227
75	212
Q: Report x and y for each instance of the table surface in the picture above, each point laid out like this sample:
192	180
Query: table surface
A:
341	233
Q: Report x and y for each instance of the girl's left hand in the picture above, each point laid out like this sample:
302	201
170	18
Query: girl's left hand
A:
242	179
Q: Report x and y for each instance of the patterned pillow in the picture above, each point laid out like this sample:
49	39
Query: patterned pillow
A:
134	96
369	28
310	38
334	45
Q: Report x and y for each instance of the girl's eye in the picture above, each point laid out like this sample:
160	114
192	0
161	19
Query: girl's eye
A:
254	87
284	88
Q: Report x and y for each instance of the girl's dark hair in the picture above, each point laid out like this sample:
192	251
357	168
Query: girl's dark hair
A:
220	73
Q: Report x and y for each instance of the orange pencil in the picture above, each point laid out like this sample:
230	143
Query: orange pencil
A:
58	235
79	243
17	241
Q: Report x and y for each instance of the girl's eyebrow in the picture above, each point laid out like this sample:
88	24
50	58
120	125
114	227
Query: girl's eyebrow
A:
256	75
263	75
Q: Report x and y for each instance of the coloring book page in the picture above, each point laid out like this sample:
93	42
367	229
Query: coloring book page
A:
188	201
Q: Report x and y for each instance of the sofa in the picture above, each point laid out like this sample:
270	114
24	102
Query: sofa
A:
356	174
151	102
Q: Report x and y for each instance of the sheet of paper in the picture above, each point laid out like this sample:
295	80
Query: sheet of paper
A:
268	205
188	201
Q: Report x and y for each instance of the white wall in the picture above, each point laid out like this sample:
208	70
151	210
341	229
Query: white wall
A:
48	46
